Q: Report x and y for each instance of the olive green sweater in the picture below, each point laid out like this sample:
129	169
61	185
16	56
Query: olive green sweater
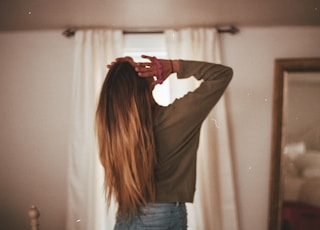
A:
177	129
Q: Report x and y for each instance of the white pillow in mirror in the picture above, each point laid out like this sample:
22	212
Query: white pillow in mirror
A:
308	160
311	172
292	150
289	167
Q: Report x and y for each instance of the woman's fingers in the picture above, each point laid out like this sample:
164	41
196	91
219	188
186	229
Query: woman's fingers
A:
146	69
111	64
147	57
120	59
146	72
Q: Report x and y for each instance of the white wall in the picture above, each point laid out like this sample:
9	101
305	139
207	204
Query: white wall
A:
251	53
35	85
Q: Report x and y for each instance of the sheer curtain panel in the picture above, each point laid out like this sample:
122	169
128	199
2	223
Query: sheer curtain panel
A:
215	204
86	203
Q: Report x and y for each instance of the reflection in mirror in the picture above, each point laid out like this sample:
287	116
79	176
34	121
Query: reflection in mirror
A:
295	174
301	159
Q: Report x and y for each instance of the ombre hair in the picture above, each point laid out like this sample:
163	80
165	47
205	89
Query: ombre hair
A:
124	128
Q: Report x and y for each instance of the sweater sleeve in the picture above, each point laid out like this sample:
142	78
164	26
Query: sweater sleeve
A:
196	105
205	71
185	115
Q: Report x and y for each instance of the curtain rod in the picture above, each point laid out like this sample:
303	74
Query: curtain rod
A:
70	32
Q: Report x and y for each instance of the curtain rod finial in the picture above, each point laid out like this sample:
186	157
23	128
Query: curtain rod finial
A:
70	32
230	29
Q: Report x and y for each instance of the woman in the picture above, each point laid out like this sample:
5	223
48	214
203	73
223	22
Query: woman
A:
149	151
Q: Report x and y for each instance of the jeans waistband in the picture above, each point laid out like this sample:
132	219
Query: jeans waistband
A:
167	204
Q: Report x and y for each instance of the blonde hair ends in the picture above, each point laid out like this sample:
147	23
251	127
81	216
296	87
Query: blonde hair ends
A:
124	129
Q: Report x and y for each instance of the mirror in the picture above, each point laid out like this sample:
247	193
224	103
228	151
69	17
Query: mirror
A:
295	162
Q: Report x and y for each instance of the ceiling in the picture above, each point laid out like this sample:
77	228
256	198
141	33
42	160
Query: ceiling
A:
155	14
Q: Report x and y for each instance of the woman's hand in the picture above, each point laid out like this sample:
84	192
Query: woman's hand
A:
150	69
120	59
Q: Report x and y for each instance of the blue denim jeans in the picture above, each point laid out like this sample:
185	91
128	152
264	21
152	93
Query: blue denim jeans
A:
156	216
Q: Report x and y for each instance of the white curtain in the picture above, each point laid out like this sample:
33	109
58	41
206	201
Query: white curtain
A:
86	204
215	205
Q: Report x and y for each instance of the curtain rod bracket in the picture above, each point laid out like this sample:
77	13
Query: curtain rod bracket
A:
230	29
70	32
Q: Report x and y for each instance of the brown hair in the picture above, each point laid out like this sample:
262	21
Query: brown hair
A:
124	128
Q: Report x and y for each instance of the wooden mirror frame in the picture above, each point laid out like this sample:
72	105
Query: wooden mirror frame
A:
282	66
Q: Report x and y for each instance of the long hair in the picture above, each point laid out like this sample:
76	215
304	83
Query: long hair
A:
124	129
